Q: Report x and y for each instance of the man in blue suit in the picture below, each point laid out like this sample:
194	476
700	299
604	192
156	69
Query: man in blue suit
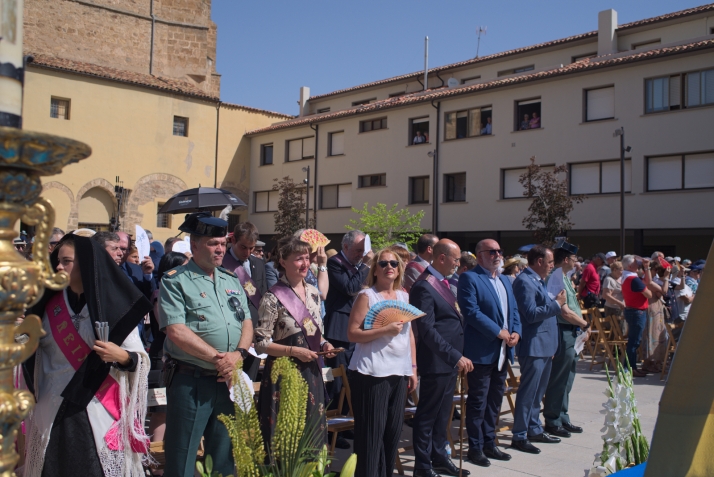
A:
539	342
493	328
439	358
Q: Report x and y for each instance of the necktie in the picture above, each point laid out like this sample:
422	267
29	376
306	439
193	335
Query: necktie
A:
446	282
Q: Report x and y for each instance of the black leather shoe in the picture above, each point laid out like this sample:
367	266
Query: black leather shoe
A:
571	428
524	446
425	473
544	438
477	457
448	468
496	453
559	431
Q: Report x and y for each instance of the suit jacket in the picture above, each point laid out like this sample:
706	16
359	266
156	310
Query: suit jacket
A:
145	283
257	273
271	274
481	308
411	273
441	331
538	316
344	286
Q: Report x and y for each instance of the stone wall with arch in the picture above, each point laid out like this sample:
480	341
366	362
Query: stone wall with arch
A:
147	189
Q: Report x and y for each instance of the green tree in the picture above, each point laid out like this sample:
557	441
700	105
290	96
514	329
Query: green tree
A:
549	213
386	226
290	216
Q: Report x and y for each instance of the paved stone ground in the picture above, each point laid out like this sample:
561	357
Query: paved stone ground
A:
574	456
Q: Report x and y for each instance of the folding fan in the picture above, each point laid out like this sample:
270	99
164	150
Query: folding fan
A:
315	238
390	311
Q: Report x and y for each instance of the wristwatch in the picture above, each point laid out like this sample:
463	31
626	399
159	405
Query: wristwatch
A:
322	268
243	352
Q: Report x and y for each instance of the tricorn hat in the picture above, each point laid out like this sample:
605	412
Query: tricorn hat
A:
568	247
204	224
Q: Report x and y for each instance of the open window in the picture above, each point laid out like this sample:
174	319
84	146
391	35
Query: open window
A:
527	114
455	187
468	123
419	190
419	131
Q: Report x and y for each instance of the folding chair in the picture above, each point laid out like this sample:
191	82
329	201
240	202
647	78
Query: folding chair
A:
512	383
606	342
671	349
336	421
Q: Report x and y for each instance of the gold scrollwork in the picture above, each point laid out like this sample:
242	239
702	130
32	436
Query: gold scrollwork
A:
42	215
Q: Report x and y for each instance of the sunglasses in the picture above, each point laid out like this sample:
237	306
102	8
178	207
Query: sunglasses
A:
391	263
493	253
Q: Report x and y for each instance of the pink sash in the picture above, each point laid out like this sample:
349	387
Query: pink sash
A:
76	350
350	268
300	313
441	290
251	290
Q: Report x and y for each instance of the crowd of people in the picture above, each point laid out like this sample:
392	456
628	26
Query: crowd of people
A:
195	313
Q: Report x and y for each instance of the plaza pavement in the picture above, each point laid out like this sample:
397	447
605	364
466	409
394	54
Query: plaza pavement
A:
573	457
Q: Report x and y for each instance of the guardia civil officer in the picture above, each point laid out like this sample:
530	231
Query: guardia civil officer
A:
203	310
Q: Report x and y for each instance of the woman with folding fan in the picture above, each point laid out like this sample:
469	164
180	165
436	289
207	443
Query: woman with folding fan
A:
383	365
290	324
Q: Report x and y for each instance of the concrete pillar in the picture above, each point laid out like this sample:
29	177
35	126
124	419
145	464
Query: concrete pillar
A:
304	96
606	32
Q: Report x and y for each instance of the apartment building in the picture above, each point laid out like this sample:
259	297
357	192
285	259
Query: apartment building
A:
456	148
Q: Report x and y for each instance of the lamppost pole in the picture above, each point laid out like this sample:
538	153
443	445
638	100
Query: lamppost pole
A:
307	196
623	149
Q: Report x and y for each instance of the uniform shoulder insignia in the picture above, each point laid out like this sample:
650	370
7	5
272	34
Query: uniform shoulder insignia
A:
171	272
228	272
175	272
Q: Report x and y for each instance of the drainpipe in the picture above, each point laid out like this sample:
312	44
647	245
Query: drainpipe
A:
153	28
435	215
316	128
215	160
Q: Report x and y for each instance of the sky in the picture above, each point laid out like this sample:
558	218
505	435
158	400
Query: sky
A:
268	49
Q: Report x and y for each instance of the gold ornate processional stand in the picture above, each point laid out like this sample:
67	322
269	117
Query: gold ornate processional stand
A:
24	158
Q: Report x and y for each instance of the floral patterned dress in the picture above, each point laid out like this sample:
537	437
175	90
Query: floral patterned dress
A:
276	323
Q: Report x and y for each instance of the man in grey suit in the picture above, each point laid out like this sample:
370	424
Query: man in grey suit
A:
539	342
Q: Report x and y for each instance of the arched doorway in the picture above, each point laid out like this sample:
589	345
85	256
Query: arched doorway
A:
96	208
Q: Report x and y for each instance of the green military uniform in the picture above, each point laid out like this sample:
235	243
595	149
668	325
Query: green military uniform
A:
195	397
562	372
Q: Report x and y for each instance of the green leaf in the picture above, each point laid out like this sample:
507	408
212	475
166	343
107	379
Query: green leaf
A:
209	465
199	467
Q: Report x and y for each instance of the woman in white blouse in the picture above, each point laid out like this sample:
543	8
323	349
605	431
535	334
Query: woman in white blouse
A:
383	370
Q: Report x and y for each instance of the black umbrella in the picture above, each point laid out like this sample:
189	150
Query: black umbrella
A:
200	199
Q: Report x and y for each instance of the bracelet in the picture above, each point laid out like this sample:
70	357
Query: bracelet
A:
414	366
322	268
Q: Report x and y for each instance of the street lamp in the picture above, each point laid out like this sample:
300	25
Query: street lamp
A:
623	149
307	196
121	195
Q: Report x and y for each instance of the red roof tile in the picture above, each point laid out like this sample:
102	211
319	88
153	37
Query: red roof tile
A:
442	93
570	39
257	110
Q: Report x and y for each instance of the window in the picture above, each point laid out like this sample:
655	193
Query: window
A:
599	177
396	95
233	220
59	108
575	59
336	143
180	126
266	201
600	103
455	187
299	149
469	123
336	196
363	101
95	227
266	154
514	71
374	180
163	221
419	190
528	114
646	44
689	171
471	80
666	92
373	125
323	110
419	131
511	187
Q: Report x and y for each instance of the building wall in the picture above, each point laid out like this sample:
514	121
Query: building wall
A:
130	130
117	33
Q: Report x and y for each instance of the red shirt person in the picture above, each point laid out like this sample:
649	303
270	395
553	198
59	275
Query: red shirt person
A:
589	287
636	294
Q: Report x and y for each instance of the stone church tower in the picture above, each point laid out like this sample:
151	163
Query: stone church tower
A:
167	38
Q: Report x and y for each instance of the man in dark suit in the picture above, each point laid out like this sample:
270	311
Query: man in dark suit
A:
439	358
539	342
425	253
493	328
141	276
250	271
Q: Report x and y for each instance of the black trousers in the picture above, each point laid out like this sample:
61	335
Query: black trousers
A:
486	388
379	414
432	417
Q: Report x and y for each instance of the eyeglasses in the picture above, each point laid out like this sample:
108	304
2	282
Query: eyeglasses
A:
493	253
54	243
391	263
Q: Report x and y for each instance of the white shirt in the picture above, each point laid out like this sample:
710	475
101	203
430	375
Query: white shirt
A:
502	295
682	307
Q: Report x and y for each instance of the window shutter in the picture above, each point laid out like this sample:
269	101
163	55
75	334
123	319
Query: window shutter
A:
675	90
664	173
459	187
708	90
511	187
273	198
308	147
601	104
337	145
611	177
295	150
344	195
475	122
450	126
261	201
585	178
693	89
699	171
329	197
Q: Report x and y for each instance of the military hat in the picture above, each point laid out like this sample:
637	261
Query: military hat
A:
204	224
568	247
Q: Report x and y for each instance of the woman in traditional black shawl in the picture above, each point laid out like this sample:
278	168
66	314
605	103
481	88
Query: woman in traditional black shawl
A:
91	396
